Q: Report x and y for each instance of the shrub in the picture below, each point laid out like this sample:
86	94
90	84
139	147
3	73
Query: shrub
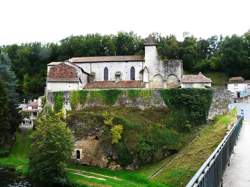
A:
124	156
4	153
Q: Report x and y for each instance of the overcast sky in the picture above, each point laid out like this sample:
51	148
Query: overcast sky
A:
52	20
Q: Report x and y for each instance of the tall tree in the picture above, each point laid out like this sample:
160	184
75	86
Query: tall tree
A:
51	147
8	82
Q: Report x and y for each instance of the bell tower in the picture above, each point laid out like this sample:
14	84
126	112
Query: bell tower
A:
152	61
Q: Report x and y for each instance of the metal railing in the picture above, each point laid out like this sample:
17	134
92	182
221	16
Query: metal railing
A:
211	172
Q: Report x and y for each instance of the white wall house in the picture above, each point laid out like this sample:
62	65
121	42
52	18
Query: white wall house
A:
196	81
145	71
239	87
30	112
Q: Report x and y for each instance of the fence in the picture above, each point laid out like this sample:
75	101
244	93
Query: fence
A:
211	172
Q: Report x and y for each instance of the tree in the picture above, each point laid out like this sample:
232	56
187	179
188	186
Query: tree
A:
51	148
10	117
4	115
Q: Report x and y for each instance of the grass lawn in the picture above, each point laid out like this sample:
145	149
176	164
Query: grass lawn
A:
185	164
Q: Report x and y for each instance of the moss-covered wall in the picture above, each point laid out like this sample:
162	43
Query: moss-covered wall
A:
194	102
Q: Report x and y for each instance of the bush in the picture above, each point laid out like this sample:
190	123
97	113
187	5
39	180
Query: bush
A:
124	156
4	153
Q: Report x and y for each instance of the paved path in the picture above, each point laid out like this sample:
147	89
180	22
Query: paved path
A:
238	173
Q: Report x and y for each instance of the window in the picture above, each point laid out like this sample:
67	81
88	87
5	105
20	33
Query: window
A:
132	73
118	76
106	74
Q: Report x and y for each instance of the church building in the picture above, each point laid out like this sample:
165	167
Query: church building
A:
108	72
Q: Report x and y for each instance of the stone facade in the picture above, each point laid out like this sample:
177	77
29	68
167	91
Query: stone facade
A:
221	99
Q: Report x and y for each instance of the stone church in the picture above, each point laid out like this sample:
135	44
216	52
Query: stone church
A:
107	72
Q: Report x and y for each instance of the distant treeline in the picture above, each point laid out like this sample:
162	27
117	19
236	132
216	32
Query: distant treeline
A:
230	55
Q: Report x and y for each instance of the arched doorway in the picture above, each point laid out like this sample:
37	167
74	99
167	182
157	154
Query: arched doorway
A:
172	81
78	154
157	81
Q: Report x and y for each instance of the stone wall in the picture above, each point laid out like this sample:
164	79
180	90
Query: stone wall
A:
221	99
150	99
153	99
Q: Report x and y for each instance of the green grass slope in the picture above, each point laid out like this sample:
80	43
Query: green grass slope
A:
185	164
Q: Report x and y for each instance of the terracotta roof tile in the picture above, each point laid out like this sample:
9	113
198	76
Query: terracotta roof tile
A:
236	80
134	58
113	84
62	72
200	78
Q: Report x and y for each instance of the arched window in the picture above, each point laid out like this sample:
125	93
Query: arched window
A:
78	154
106	74
132	73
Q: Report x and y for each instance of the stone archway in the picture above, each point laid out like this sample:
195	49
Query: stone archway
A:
157	81
172	81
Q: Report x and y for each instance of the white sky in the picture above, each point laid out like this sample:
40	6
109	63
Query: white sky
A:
52	20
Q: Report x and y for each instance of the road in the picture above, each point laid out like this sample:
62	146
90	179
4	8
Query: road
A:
238	173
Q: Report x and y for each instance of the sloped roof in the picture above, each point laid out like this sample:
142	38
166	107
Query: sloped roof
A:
132	58
236	80
62	72
113	84
200	78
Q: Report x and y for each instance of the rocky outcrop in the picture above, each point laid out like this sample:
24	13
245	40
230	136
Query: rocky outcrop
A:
90	152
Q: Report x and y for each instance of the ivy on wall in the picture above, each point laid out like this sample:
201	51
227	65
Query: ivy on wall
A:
191	104
78	97
109	97
139	93
58	101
